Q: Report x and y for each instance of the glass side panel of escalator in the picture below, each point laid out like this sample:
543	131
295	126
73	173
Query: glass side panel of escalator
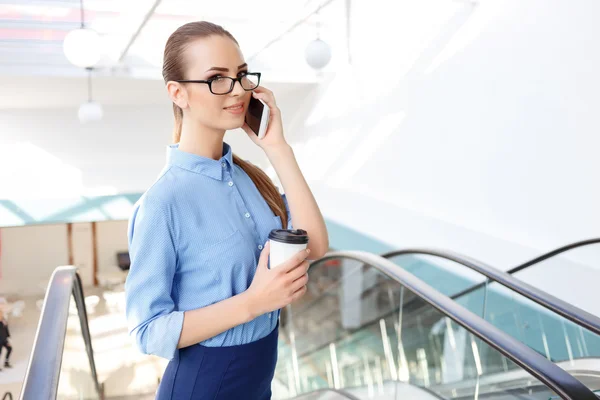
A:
364	333
573	348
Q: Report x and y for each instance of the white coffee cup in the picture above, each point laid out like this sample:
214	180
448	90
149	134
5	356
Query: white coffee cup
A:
285	243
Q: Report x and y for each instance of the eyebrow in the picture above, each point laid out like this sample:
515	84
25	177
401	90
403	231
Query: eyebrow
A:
225	69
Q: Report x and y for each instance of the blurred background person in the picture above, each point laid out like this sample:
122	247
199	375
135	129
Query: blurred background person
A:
4	340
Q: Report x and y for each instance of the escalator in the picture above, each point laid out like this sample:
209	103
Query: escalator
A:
375	331
565	334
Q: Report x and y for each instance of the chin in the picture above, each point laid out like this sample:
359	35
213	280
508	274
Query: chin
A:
233	124
230	126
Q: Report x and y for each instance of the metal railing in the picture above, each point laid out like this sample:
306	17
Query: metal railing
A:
43	371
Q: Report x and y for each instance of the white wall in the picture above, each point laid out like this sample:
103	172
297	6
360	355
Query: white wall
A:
499	139
29	256
485	144
83	254
111	237
125	150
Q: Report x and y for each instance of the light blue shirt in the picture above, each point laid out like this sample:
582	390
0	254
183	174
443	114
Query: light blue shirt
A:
195	238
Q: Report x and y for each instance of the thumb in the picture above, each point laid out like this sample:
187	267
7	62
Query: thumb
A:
263	261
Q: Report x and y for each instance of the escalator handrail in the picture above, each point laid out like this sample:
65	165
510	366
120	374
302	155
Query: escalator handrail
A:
526	265
556	305
43	370
553	253
538	366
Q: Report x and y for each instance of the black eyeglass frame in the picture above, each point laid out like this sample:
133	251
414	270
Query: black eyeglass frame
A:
233	80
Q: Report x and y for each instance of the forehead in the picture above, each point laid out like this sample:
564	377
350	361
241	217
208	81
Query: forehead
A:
213	51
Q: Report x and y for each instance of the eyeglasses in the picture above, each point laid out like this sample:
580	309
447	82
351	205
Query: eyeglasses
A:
224	84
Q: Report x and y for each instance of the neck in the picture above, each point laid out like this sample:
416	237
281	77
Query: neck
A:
201	140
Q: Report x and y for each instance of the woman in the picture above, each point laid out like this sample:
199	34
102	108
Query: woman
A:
199	291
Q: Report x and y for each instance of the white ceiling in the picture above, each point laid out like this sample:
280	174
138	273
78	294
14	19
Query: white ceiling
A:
134	32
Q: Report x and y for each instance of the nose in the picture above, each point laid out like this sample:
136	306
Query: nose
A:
237	88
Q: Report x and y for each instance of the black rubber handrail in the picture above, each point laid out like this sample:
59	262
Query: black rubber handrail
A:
525	265
563	384
43	370
553	253
558	306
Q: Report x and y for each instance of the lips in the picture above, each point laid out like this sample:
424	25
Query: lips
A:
235	106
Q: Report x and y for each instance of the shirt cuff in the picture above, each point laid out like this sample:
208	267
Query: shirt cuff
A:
163	335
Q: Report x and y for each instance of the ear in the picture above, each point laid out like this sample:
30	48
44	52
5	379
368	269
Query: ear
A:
177	94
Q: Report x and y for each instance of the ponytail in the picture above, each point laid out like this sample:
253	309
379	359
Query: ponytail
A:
178	114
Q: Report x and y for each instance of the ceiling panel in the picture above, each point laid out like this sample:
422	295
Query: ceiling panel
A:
32	31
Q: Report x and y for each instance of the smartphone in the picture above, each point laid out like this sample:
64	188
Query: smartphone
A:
257	117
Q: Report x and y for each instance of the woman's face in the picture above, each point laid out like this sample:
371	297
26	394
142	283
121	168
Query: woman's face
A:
206	58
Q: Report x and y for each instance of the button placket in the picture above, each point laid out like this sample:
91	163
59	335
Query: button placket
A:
246	213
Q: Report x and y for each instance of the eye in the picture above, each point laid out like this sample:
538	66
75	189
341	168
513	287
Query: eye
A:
243	73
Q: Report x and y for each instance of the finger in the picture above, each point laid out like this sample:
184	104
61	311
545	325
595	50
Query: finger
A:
293	262
262	89
266	97
299	293
298	283
298	271
264	255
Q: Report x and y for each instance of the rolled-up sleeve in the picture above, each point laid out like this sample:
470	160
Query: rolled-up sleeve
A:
151	314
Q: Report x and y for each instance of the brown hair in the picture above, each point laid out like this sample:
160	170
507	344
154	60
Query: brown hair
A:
173	69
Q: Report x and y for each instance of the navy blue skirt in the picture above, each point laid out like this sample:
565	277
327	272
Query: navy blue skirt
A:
221	373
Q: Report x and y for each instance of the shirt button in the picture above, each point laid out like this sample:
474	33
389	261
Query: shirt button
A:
230	183
223	165
260	247
247	215
269	315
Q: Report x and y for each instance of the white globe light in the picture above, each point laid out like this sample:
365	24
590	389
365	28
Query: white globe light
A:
317	54
90	111
82	47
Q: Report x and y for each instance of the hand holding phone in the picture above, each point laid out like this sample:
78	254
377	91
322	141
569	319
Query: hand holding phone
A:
257	116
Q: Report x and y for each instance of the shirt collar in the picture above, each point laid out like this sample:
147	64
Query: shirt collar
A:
199	164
